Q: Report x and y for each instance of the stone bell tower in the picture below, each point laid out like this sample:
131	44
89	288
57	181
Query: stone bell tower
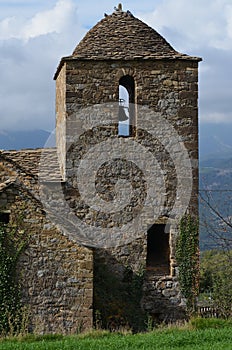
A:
126	72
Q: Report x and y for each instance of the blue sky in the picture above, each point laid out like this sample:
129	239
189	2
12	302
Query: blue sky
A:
34	35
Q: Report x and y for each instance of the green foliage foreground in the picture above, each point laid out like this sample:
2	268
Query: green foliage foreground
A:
199	334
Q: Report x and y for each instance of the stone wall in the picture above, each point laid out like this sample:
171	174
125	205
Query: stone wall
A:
169	88
60	121
56	274
165	91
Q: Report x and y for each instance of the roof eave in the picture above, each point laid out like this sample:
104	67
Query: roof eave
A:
163	58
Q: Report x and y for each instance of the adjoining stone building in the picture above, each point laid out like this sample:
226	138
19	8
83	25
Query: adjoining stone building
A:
81	263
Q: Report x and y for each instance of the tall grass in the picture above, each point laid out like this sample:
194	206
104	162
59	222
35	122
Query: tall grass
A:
199	334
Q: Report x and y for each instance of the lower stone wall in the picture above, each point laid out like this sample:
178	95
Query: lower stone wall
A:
127	291
56	274
118	283
57	284
162	299
66	285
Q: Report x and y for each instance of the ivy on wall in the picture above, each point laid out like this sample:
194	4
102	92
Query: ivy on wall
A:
187	256
12	244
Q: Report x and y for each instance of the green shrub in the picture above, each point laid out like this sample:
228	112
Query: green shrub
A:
215	277
205	323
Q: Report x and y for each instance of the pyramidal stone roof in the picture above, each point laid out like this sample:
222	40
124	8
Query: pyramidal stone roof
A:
121	36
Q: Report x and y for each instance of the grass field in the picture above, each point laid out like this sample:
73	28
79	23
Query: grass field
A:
205	335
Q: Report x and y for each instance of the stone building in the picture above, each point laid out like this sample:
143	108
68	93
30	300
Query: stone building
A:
126	112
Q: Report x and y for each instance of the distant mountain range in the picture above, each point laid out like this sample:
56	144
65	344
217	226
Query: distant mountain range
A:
216	188
215	177
15	140
215	140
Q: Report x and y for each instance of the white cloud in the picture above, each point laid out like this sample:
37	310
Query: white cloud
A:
9	28
229	20
49	21
54	20
202	28
216	118
199	22
30	51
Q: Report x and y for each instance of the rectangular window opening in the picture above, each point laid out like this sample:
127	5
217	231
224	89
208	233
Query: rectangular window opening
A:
4	217
158	249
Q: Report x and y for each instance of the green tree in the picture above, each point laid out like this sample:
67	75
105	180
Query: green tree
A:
215	277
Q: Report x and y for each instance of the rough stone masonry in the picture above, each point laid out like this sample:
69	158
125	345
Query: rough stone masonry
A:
79	266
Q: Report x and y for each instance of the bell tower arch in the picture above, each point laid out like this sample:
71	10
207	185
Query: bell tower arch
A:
126	115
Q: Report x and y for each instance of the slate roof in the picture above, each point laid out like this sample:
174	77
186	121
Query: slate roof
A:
37	163
122	36
7	183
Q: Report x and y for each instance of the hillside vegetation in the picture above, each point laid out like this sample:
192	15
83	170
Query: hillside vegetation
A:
216	191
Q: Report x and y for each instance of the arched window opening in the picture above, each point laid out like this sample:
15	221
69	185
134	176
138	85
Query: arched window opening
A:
123	112
126	106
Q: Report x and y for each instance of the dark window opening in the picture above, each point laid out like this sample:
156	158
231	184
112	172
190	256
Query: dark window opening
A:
126	106
158	250
4	218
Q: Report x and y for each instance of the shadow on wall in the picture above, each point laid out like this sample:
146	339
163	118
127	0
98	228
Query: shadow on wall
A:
117	294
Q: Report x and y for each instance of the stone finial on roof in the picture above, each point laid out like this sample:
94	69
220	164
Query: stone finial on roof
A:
119	8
